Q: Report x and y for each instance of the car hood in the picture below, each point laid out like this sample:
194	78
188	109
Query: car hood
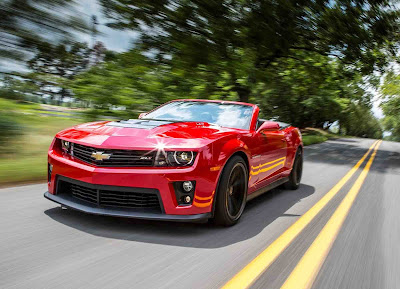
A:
146	134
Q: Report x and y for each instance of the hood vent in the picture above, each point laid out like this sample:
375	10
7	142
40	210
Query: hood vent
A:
139	123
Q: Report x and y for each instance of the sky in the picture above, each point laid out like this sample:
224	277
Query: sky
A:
375	104
113	39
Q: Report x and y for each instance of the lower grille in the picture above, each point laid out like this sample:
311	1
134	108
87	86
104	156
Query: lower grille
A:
84	194
110	196
128	199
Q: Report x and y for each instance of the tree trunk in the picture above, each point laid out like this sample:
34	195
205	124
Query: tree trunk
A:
243	92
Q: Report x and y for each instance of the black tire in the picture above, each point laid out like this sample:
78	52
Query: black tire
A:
297	171
231	192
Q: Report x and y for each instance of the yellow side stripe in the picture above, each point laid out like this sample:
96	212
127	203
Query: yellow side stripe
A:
213	169
263	165
304	274
202	205
204	198
267	169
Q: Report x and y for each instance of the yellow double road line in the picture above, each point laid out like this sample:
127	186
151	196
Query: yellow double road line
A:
255	268
304	274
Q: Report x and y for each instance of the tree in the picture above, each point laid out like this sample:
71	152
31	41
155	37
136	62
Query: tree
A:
306	90
243	38
360	121
127	80
391	104
55	66
17	88
27	24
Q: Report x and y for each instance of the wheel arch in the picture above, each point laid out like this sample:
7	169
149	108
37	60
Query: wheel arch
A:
239	153
244	156
300	147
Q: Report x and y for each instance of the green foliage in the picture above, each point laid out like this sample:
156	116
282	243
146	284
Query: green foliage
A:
314	135
55	66
129	80
26	25
23	157
313	139
308	90
243	38
359	121
391	105
303	62
18	89
305	90
9	128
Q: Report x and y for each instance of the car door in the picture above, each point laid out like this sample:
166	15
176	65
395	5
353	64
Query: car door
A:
272	149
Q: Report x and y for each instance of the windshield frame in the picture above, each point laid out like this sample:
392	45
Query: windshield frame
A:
249	126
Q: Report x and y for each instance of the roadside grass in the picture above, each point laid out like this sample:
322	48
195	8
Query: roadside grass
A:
24	158
315	135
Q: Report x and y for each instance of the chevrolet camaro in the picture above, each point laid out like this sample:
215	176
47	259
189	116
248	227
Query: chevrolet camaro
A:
187	160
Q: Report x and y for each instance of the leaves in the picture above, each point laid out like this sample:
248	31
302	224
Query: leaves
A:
391	104
27	24
309	90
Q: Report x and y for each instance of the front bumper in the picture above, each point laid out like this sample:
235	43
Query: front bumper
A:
124	213
160	179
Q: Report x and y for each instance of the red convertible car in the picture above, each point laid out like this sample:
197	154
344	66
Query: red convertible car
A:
187	160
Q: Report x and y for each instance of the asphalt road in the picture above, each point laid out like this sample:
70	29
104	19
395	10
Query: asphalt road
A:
43	246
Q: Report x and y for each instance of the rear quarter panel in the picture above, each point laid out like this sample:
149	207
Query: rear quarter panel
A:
294	140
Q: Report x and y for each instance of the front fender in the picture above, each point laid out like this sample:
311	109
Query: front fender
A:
229	148
224	151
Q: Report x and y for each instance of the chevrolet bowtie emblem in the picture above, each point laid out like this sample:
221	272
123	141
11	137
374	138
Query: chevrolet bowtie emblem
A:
100	156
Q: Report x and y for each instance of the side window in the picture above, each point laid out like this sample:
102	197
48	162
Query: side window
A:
260	121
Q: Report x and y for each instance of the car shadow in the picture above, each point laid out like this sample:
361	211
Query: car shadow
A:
259	213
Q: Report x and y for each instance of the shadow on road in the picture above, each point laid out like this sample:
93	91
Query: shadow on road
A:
259	213
349	140
344	153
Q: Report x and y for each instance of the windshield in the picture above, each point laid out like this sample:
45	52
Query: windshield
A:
222	114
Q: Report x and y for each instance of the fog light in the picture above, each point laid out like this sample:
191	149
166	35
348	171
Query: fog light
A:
187	186
187	199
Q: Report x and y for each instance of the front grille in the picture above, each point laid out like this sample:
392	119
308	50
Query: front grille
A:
118	158
110	196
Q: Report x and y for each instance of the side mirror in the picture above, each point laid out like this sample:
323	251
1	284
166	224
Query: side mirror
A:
142	115
269	126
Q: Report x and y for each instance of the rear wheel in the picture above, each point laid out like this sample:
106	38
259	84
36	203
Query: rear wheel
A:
232	192
297	171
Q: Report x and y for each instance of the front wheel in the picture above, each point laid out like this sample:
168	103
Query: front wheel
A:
297	171
232	192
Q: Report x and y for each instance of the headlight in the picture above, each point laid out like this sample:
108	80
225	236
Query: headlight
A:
175	158
183	158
